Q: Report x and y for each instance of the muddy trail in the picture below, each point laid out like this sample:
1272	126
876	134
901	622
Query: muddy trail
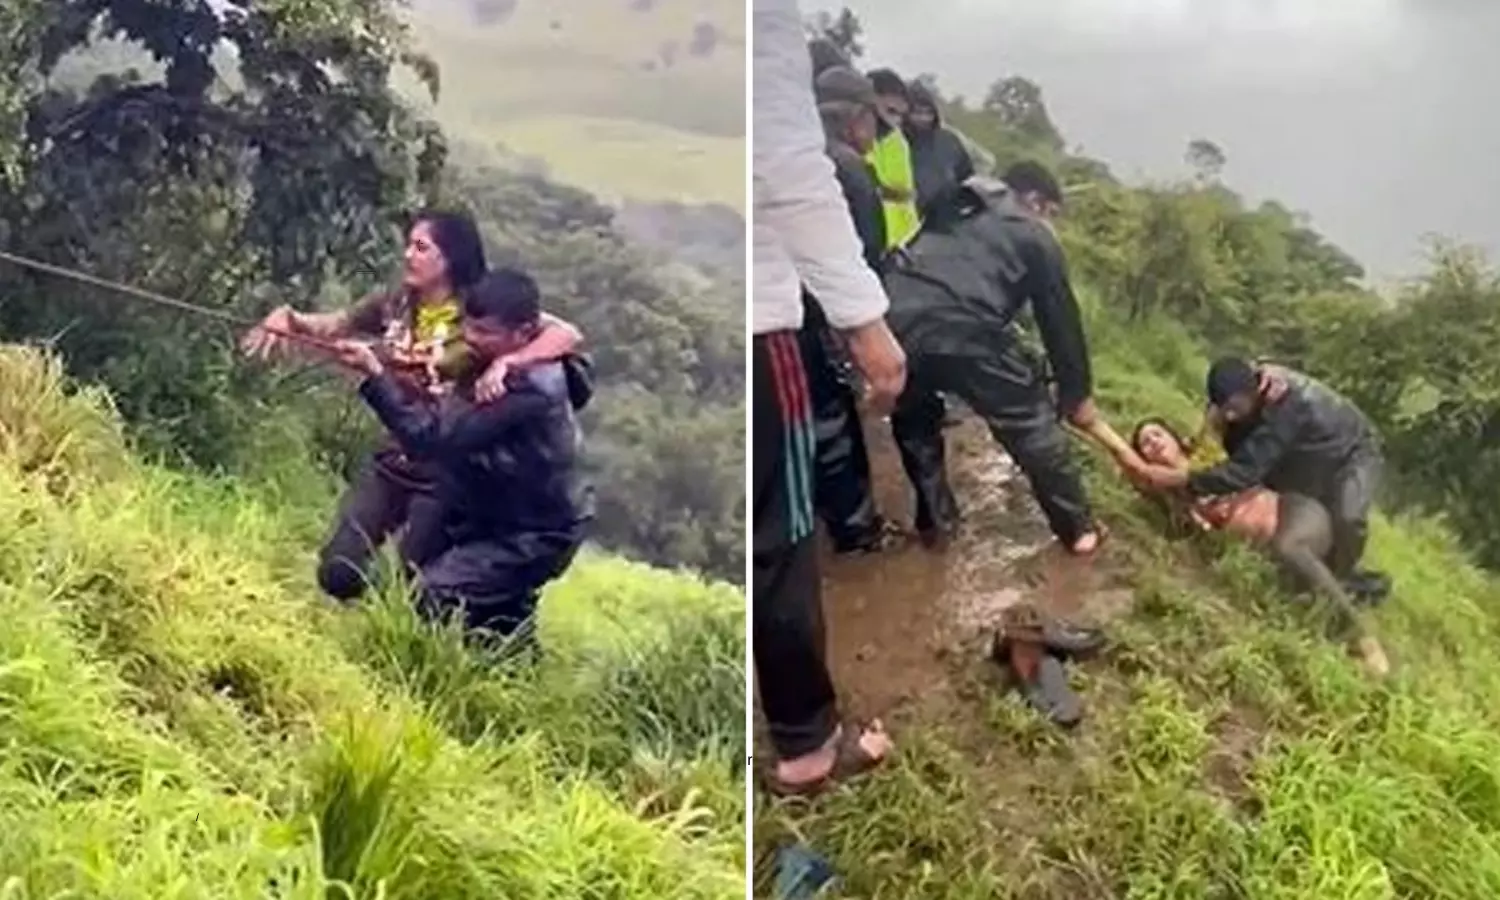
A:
908	626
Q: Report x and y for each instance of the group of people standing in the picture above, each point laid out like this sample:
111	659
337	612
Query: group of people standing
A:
875	242
478	390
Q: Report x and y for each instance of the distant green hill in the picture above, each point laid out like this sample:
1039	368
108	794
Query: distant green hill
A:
610	97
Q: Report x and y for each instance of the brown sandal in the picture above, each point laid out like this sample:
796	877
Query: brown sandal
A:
850	760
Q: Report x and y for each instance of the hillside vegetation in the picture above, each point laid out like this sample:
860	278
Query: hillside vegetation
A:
231	172
1227	751
181	714
179	718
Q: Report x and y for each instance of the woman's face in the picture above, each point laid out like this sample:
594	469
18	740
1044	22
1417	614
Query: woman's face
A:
426	267
922	117
1160	447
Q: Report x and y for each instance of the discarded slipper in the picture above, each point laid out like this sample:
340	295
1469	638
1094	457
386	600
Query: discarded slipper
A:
1064	640
1050	694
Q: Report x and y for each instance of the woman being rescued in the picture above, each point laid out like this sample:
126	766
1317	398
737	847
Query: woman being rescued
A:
1295	530
418	324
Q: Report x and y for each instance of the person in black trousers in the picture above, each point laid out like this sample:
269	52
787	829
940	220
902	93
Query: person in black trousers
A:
803	239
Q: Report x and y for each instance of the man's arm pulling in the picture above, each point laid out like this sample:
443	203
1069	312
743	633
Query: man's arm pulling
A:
1061	325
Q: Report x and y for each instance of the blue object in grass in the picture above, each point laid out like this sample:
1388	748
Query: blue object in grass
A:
801	874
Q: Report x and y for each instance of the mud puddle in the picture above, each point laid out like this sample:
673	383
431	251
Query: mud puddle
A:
904	624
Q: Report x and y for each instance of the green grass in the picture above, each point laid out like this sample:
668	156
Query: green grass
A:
1227	752
182	717
581	98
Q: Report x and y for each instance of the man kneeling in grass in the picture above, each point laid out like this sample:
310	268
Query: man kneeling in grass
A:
514	510
1297	530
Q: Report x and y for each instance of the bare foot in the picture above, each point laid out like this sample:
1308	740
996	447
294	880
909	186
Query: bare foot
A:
1371	656
1086	544
872	746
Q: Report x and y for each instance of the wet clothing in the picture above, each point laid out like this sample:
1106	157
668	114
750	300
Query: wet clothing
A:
796	691
891	159
1302	546
802	237
403	324
513	507
939	160
800	232
956	294
1313	442
857	180
373	508
393	493
843	495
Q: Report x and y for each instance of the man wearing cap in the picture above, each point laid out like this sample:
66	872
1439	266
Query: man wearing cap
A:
1293	434
956	293
841	483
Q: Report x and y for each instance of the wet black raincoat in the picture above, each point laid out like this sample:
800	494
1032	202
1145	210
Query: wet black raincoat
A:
515	506
939	160
956	294
1312	441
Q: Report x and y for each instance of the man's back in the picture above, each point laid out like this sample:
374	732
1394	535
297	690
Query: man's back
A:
1324	428
958	286
526	477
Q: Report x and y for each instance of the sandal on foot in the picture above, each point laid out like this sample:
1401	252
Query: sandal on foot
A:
850	760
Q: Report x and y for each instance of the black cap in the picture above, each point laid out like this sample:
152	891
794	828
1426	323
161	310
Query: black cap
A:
1230	377
842	84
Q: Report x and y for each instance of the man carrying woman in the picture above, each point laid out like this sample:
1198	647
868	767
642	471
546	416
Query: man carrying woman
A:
418	324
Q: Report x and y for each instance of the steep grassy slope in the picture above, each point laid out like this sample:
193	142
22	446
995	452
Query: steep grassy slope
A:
181	717
1227	752
609	93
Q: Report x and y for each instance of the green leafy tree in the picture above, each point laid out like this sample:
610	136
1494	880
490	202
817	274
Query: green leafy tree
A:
842	29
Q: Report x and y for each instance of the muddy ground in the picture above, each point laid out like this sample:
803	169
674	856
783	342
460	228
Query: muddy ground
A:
910	623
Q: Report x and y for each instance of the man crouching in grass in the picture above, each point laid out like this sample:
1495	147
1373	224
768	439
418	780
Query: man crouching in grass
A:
514	508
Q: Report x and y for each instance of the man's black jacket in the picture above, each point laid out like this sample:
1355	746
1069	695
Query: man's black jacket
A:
862	194
1299	443
504	467
961	284
940	162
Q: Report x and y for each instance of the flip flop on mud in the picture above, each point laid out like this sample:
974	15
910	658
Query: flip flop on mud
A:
1051	695
850	760
1064	640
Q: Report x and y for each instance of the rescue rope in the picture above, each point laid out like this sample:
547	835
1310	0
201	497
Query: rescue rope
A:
162	300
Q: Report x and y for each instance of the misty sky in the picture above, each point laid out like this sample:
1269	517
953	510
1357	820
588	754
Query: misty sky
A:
1376	117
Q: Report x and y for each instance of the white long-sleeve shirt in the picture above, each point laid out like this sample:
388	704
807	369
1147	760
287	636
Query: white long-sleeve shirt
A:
802	231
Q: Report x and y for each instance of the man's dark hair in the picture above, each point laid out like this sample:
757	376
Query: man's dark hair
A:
1031	177
888	84
457	237
1229	377
508	297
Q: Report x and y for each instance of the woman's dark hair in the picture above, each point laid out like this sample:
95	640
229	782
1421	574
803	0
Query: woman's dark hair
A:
1185	443
508	297
458	238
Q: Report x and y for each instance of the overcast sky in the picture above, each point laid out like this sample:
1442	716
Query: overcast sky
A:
1376	117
